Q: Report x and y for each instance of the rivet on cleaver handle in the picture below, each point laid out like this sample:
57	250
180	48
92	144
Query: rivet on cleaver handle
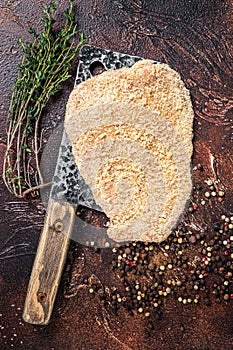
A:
49	262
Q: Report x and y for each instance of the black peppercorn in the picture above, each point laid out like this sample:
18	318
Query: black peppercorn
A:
216	225
207	302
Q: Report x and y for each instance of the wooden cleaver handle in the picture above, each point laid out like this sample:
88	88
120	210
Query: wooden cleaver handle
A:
49	262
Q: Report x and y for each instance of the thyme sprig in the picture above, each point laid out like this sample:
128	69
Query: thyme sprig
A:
45	66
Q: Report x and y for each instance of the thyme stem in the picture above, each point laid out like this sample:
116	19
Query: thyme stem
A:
44	66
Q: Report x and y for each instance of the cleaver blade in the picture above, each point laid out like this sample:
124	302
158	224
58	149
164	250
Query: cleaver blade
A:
68	184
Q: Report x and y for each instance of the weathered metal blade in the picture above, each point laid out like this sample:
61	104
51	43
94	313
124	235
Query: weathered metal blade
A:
68	184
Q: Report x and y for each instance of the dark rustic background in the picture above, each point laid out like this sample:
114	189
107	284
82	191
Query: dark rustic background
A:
194	38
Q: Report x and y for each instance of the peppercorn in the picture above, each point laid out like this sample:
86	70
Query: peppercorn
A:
207	301
226	297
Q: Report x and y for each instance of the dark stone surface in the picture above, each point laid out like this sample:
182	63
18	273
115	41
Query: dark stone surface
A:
193	37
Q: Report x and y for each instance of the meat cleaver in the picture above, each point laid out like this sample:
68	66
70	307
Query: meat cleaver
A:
67	192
